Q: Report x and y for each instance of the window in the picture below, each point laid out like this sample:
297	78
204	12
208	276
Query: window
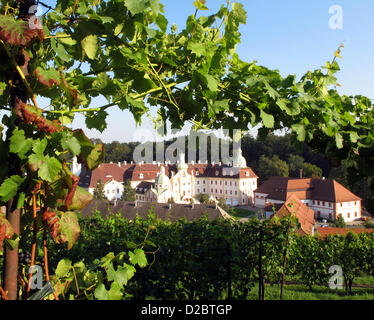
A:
314	202
230	191
217	173
141	176
235	184
203	181
341	204
198	182
204	190
323	203
230	183
236	192
317	202
356	214
247	174
225	183
197	173
348	214
216	182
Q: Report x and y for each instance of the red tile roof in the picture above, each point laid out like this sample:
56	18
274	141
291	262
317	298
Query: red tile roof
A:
280	188
323	232
149	172
305	215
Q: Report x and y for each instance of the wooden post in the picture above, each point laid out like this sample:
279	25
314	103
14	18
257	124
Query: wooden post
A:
11	256
229	289
18	97
261	290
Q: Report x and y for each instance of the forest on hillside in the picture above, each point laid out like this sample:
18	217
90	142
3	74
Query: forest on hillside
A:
274	155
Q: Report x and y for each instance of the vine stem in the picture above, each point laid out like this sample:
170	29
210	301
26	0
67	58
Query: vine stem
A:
33	248
23	77
3	293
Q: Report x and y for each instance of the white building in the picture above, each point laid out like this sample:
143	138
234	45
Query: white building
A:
179	182
326	197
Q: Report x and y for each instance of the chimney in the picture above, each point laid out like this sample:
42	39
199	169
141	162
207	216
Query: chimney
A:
119	164
132	162
199	162
192	162
158	163
301	173
213	163
154	162
125	162
220	164
206	161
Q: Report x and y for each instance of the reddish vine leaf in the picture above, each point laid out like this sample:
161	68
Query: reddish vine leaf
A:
6	230
17	32
69	197
63	226
33	115
48	77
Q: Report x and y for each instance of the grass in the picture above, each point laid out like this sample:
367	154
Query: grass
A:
239	213
300	292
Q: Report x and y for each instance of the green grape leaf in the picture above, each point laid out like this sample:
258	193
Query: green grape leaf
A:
91	155
9	188
70	142
19	144
136	6
138	257
114	293
90	46
63	268
267	119
97	120
49	168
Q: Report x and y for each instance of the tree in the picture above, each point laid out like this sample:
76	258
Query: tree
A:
339	222
311	171
295	164
99	193
268	167
129	193
203	198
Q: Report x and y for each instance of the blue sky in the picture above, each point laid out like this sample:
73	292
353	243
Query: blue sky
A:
292	36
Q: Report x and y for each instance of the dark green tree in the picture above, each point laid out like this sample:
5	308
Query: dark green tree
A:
203	198
99	193
268	167
340	223
129	193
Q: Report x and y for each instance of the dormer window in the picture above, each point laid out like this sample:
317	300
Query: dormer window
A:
141	176
197	173
217	173
247	174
